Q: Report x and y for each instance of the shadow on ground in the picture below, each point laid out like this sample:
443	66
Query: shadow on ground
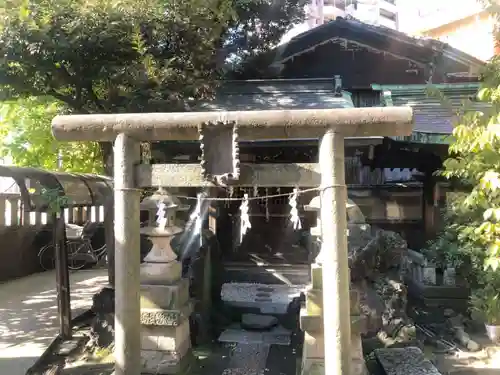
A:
28	314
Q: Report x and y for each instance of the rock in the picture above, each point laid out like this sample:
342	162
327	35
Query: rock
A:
370	306
102	328
257	322
385	251
410	361
393	296
376	262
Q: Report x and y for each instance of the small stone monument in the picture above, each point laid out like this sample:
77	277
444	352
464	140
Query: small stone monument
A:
165	303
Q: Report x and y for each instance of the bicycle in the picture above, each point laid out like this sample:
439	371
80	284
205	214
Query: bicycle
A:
79	248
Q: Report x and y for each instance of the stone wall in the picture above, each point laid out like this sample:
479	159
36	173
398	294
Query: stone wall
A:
19	250
20	246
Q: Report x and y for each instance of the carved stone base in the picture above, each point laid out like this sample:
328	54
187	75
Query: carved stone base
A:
161	273
165	311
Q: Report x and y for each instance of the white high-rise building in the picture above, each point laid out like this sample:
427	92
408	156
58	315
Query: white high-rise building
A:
374	12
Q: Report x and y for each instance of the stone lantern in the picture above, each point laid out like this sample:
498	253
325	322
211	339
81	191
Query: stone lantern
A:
160	230
355	222
165	303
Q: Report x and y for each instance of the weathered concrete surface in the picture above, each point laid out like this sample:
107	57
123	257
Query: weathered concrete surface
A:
252	125
263	175
28	314
127	257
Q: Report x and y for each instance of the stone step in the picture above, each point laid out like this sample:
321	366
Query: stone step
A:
275	336
271	274
404	361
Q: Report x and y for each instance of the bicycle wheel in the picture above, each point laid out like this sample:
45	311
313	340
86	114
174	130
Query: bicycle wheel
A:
78	255
47	257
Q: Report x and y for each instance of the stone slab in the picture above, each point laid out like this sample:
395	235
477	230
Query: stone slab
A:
269	299
168	297
160	273
161	317
277	336
405	361
165	338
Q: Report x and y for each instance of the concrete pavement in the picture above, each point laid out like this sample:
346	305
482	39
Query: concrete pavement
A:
28	314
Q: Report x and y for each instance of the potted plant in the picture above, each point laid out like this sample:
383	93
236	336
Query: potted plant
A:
486	303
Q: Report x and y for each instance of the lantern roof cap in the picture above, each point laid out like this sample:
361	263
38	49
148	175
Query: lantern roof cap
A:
163	196
315	204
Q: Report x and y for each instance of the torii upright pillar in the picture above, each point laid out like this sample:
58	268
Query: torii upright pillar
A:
331	125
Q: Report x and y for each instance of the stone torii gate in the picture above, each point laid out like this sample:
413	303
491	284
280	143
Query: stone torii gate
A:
219	133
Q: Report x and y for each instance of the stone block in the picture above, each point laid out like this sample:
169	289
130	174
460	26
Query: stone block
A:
314	323
309	322
165	338
168	297
162	317
160	273
314	346
314	301
316	276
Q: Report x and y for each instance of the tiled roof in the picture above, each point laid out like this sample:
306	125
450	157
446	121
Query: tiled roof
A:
431	115
277	94
422	51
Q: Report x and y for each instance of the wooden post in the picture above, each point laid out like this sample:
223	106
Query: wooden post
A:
127	258
110	239
62	274
336	309
3	210
14	211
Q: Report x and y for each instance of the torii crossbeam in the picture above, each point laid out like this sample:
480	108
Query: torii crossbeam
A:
221	131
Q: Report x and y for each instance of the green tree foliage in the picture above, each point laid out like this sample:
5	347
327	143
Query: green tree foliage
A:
472	221
115	56
27	139
131	55
475	160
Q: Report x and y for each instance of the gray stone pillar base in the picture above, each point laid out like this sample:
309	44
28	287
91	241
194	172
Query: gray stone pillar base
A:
311	322
165	311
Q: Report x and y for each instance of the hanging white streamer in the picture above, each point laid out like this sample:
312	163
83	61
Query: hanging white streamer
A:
196	214
294	212
161	214
244	217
